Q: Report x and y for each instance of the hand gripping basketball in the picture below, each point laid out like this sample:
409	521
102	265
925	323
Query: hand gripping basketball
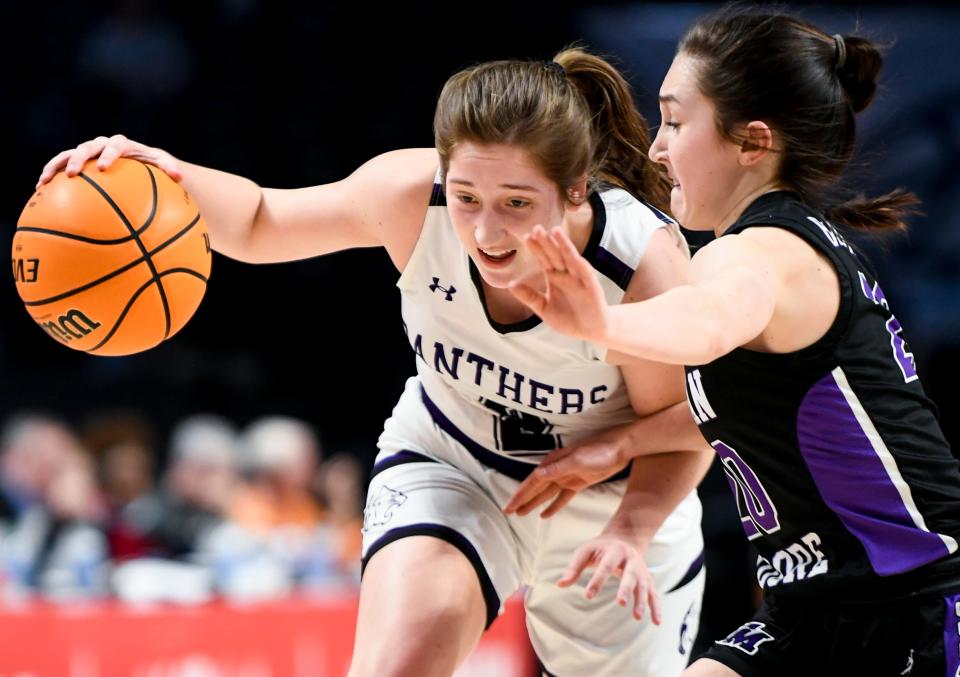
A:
111	261
107	150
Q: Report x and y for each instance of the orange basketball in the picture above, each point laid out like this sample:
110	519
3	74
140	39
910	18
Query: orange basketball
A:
111	262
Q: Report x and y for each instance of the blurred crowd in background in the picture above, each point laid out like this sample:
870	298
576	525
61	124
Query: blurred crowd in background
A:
247	515
121	490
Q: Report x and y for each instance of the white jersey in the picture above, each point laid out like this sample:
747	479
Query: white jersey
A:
488	402
523	389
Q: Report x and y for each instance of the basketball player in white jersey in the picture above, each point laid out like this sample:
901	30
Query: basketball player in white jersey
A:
517	144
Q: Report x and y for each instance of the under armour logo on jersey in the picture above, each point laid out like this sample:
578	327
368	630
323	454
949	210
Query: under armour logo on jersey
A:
449	292
748	637
380	508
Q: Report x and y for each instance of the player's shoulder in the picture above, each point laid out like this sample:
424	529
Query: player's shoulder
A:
405	172
394	190
623	207
628	225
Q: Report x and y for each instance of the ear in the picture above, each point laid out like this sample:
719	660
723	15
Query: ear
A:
577	193
757	142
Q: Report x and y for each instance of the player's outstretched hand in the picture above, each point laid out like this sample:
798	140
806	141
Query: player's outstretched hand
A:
566	471
613	555
106	150
573	302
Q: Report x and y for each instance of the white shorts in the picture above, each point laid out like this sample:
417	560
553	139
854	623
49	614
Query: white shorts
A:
426	482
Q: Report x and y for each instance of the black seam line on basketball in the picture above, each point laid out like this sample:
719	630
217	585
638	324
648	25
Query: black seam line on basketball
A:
136	237
132	264
133	299
183	231
71	236
93	240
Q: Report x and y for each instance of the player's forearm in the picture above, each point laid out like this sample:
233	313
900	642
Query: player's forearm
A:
684	325
656	486
229	205
672	428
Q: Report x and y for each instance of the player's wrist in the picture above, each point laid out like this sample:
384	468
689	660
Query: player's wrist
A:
604	330
625	527
639	541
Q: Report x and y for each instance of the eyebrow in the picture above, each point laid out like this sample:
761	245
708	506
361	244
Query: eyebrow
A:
668	98
509	186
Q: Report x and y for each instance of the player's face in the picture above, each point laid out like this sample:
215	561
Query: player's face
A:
496	194
701	163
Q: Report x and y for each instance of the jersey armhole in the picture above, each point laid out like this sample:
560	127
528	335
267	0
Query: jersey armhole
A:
841	323
438	201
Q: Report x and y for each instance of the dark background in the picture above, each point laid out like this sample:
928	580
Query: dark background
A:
294	94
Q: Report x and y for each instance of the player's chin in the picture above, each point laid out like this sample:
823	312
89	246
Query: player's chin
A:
677	206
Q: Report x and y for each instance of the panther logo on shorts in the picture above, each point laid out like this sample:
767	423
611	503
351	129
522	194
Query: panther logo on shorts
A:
380	508
748	638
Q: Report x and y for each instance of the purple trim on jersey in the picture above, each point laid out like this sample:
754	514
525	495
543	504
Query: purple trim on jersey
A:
518	470
437	197
612	267
854	483
951	635
660	215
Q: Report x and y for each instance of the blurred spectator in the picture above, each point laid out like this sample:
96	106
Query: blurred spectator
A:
339	484
32	446
277	538
195	493
280	457
180	517
56	546
122	442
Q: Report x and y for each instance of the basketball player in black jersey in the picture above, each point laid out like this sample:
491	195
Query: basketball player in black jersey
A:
798	372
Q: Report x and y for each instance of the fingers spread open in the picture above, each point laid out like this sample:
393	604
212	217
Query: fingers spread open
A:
605	569
545	250
528	296
58	162
581	559
570	258
654	601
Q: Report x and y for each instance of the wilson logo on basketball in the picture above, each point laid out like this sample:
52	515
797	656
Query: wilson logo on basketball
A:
73	325
25	270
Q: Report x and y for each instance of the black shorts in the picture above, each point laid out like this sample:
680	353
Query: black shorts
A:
917	637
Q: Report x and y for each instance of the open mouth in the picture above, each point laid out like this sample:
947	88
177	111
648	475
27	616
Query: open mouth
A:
497	257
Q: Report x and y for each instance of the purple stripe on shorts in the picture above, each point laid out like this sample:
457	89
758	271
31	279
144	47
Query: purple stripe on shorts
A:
399	458
454	538
951	635
853	481
695	568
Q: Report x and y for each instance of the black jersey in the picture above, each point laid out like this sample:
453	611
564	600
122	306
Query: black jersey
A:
843	479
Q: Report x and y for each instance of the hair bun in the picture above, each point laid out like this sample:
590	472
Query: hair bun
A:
859	70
